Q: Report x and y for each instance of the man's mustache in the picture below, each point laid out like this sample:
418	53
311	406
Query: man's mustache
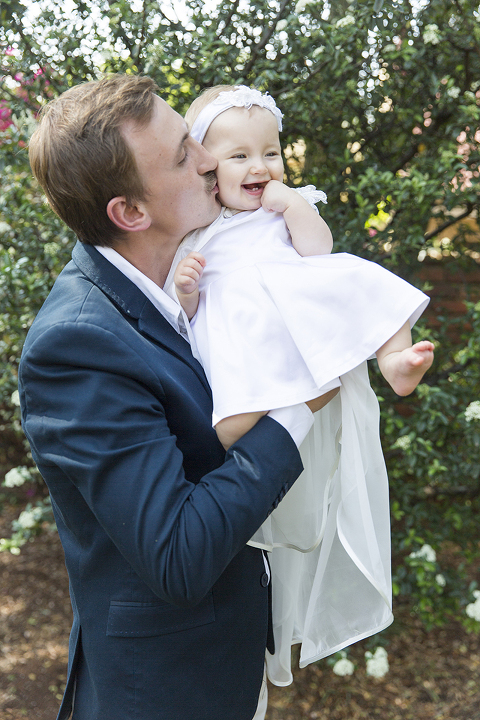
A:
210	181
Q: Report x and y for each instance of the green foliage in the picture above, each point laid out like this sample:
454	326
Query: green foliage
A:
381	105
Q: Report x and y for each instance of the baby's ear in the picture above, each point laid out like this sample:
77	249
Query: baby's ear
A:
130	218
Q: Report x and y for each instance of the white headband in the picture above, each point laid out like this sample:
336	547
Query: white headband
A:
241	96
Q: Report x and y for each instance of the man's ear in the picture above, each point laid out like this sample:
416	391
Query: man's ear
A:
131	218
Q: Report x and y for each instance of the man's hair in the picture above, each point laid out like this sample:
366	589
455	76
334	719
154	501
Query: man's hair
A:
204	99
80	157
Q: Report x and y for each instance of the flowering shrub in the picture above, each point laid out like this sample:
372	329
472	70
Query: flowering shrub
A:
382	106
376	663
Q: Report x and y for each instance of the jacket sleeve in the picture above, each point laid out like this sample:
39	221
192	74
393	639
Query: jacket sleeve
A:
94	413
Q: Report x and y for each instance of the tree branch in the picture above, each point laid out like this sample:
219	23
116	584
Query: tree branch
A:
142	33
449	223
227	22
304	81
267	34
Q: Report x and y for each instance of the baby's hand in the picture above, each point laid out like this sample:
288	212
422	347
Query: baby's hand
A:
188	273
277	197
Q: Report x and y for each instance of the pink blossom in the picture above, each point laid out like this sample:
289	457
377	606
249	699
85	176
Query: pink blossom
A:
5	116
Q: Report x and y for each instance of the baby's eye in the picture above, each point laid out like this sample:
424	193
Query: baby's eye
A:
273	153
239	156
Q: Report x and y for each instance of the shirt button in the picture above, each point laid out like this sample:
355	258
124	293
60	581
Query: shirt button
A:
264	580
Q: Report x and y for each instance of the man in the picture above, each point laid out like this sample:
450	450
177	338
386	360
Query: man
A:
170	605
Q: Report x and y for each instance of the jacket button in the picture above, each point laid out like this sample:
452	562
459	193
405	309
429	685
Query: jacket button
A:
264	580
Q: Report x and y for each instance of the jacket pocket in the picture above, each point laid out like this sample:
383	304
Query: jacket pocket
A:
136	619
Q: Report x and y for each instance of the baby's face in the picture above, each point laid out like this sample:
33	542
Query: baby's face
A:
247	147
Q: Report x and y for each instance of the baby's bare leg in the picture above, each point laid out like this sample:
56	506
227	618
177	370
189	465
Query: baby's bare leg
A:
232	428
402	364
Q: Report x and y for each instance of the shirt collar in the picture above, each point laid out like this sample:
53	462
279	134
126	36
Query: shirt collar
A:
166	305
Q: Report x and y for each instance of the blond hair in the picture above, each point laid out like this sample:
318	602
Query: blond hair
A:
204	99
80	158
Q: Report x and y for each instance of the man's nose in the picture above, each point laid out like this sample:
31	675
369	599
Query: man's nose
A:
206	162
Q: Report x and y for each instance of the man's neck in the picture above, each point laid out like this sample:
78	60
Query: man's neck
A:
152	259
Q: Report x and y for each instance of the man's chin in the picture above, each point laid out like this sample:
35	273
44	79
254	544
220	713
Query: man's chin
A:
213	214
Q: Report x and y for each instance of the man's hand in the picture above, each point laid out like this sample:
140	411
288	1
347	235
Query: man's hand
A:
188	273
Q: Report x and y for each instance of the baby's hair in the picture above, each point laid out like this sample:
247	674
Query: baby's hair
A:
204	99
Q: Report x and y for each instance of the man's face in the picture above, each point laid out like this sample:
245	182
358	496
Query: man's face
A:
173	167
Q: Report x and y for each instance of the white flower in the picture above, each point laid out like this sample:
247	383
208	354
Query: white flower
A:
453	92
345	21
403	442
281	25
343	667
4	227
15	398
473	411
440	580
318	51
27	519
51	249
16	477
426	552
301	5
377	664
473	609
431	35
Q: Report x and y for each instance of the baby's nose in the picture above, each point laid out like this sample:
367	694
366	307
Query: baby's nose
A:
258	167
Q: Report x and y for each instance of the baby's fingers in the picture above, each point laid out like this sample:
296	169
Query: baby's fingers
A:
197	257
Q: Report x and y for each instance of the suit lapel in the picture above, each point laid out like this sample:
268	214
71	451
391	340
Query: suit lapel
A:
135	305
151	322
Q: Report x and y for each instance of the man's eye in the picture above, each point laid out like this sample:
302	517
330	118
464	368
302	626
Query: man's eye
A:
183	159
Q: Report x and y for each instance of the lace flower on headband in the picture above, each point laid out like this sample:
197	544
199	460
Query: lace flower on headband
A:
244	96
241	96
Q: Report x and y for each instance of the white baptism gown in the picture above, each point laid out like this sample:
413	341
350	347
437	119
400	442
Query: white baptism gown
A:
275	329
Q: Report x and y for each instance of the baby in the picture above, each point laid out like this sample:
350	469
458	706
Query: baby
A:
276	321
250	176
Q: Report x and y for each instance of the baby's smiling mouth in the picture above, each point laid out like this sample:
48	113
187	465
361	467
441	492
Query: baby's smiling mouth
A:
254	188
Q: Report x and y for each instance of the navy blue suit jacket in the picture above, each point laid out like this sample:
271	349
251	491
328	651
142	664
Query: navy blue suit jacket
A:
170	605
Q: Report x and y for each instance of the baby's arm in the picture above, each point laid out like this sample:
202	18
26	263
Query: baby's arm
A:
402	364
310	233
186	278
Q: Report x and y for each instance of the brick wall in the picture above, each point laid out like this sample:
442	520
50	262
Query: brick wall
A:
451	287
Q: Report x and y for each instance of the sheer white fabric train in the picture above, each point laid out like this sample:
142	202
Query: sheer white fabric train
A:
339	592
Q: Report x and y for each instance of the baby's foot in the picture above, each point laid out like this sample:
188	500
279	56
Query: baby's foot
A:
409	366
